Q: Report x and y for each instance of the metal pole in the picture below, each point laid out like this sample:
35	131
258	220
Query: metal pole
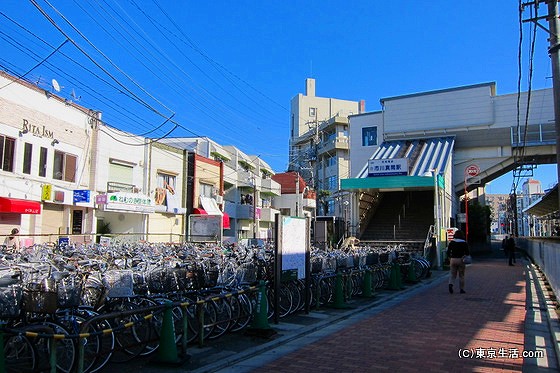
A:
254	208
554	58
466	211
437	227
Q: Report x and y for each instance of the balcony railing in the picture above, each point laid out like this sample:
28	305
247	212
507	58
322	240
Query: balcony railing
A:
113	186
541	134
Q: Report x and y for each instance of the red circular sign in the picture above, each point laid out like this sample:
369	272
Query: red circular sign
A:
472	170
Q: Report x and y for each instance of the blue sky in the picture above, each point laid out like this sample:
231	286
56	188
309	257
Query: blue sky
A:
228	69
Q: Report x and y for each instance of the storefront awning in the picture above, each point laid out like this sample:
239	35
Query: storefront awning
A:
19	206
225	216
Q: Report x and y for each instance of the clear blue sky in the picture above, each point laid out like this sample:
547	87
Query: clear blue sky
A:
228	69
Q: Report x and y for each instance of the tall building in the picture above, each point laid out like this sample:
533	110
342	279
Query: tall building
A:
528	225
319	144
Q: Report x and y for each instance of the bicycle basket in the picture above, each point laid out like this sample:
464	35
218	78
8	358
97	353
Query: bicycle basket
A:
247	273
329	264
211	277
372	258
119	283
69	295
10	301
39	301
316	265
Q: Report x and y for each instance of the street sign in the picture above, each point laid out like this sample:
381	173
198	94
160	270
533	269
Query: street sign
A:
472	170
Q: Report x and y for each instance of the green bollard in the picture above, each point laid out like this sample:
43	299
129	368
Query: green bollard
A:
259	326
366	285
339	293
167	353
399	276
394	277
52	358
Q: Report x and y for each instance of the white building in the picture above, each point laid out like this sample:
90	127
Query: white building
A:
45	150
319	144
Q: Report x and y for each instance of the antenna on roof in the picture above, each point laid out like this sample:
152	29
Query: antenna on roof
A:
55	85
73	94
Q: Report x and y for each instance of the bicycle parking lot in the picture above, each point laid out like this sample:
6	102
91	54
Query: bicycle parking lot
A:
94	306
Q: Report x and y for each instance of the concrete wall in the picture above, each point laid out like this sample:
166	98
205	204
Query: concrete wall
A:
545	253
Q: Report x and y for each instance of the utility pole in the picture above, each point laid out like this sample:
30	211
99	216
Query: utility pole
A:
554	58
554	45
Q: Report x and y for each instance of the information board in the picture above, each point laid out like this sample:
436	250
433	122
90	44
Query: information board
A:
293	240
205	228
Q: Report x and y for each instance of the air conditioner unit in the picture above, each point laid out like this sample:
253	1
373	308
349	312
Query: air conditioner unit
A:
219	199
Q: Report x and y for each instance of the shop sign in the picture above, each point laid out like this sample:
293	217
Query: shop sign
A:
388	167
46	192
101	199
59	196
130	202
81	196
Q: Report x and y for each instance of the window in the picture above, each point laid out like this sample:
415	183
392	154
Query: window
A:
43	162
64	167
332	183
312	111
7	147
27	155
369	136
330	207
331	161
166	181
207	190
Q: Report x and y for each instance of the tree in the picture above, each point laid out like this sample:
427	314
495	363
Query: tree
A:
322	198
479	222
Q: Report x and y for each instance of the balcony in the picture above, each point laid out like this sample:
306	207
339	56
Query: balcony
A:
309	203
244	212
340	142
270	187
268	214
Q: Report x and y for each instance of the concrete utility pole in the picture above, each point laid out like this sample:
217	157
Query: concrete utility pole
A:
553	25
554	45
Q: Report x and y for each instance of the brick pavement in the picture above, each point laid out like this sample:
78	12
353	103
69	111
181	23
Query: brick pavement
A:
427	328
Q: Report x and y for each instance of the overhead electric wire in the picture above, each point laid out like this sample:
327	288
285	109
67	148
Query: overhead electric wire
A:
91	91
139	99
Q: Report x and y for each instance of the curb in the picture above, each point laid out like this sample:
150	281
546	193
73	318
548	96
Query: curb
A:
255	351
548	306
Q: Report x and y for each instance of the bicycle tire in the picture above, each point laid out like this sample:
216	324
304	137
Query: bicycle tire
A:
245	311
223	317
20	355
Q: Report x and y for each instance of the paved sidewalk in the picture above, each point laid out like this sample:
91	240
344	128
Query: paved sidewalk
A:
501	317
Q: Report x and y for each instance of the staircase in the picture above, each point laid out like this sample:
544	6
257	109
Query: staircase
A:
401	217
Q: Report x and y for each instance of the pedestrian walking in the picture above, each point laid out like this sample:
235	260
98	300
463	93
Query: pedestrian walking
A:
456	251
12	241
510	249
504	242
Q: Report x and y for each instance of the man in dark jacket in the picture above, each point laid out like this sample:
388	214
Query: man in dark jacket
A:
510	250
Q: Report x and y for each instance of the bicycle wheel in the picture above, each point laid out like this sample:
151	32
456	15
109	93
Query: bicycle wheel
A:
223	317
19	354
298	300
244	313
104	340
153	326
91	344
208	313
66	353
130	341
